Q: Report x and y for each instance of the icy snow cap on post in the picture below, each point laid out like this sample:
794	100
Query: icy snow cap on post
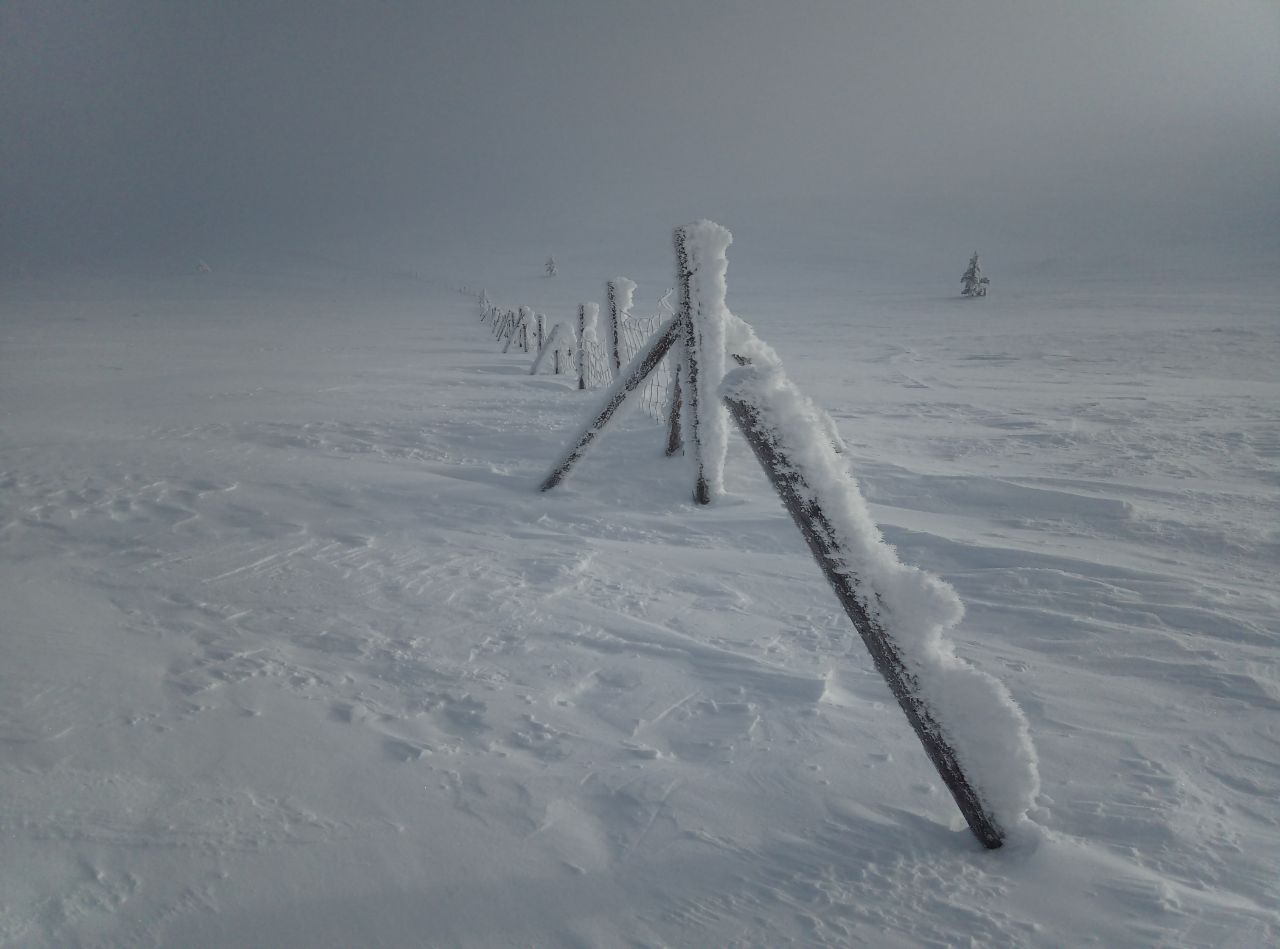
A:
703	266
624	291
590	318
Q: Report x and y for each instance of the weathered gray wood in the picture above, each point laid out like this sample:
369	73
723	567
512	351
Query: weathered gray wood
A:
615	347
582	350
825	546
614	398
675	440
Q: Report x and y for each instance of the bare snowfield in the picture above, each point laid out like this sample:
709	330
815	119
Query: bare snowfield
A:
292	652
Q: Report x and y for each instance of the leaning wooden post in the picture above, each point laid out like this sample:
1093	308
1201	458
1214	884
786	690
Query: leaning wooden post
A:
804	506
632	376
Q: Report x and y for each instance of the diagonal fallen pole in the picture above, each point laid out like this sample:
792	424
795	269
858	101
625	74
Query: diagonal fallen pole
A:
630	379
804	506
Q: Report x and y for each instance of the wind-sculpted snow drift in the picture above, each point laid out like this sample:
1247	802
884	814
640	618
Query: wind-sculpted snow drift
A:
291	655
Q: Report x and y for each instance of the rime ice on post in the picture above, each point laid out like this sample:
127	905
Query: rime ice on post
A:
621	294
972	731
701	266
588	316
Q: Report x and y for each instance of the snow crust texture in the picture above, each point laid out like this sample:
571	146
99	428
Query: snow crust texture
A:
294	654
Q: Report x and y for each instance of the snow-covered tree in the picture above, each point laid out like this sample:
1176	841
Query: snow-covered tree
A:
973	284
551	267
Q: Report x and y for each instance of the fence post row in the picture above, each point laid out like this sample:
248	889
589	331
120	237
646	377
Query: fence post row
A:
696	326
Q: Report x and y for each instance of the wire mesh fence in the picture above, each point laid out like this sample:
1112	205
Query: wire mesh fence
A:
634	336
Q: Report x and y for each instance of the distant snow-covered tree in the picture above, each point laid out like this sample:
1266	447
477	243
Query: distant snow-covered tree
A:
973	284
552	270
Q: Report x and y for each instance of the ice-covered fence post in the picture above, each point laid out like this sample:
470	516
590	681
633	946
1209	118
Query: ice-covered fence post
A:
538	319
621	294
484	304
526	315
700	267
757	399
588	314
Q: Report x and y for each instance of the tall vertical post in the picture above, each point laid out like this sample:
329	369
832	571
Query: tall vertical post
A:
615	356
621	294
675	440
701	268
582	349
692	361
538	319
525	315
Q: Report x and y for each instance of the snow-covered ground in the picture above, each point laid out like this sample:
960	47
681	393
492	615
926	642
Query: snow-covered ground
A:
292	652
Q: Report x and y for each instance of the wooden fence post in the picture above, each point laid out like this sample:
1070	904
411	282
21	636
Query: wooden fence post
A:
582	349
675	440
621	293
692	361
615	359
806	511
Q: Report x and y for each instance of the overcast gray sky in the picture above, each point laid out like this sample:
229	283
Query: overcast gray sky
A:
132	123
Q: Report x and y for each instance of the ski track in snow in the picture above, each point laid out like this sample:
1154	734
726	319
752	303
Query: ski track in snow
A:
292	651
